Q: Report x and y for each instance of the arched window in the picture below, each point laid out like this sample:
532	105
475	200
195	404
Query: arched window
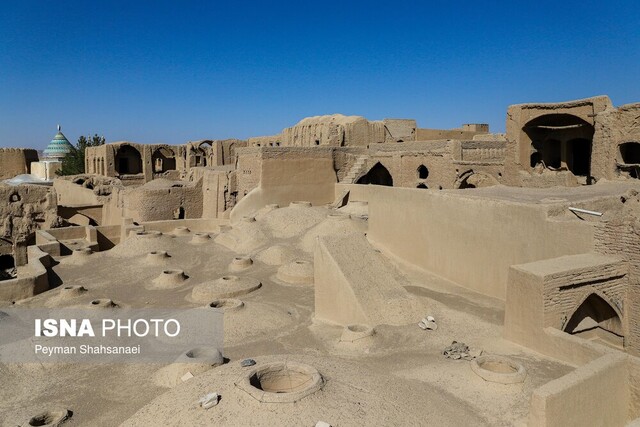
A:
423	172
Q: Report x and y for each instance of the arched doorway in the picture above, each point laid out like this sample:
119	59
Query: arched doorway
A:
377	175
163	159
200	153
561	142
595	318
128	161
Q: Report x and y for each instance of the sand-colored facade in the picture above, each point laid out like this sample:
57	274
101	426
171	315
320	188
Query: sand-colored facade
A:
358	251
337	130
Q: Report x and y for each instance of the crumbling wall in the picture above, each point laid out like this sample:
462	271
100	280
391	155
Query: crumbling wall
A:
23	210
614	127
283	175
167	161
518	169
344	159
444	163
211	153
108	160
16	161
163	200
400	130
491	137
480	151
227	151
335	130
464	132
87	199
32	277
216	192
84	189
265	141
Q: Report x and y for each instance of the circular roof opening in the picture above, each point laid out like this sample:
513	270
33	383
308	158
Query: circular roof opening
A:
355	332
498	369
50	418
227	304
281	382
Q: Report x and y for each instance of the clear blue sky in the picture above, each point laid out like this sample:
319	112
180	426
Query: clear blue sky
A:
173	71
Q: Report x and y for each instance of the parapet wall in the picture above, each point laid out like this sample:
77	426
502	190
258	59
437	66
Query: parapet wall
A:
613	128
23	210
545	142
447	163
596	394
16	161
32	278
432	134
470	241
283	175
335	131
162	199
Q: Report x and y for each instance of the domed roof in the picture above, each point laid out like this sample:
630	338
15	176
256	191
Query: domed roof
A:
58	147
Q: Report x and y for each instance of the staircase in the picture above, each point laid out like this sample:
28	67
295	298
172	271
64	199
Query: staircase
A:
356	170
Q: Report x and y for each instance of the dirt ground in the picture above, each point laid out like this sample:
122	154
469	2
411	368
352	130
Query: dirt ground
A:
398	376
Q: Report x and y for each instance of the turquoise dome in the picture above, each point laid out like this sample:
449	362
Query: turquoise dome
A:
58	147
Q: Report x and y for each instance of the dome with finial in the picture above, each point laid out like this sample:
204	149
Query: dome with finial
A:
58	147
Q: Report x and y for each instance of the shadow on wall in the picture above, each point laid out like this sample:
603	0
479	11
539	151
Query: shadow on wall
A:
596	319
471	179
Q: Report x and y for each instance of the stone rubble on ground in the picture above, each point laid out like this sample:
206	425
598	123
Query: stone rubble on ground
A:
459	350
209	400
247	362
428	323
